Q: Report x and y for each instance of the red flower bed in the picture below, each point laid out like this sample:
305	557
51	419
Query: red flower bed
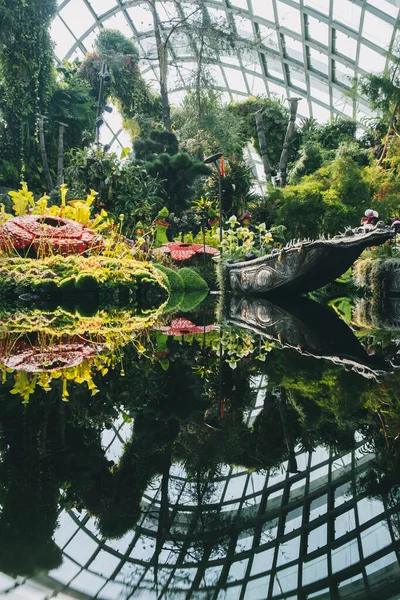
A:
181	251
40	234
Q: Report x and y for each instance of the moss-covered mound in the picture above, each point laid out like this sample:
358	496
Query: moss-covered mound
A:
105	281
196	289
175	286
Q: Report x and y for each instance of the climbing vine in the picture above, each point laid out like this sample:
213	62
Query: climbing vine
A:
26	61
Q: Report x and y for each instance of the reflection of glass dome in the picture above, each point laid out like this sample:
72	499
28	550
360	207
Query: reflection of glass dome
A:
286	531
311	49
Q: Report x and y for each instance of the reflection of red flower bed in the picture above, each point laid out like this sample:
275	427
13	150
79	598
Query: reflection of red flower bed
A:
180	251
185	327
48	235
34	357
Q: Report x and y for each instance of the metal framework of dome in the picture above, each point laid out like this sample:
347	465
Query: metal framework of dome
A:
312	49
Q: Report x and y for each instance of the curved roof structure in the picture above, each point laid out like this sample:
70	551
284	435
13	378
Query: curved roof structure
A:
310	49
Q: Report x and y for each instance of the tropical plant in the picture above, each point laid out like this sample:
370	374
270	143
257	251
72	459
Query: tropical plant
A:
123	188
205	126
116	56
176	172
26	63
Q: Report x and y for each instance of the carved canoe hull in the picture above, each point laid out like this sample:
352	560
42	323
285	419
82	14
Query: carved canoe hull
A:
302	268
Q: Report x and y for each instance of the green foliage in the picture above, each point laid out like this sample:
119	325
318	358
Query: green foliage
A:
110	280
329	135
176	287
326	202
26	80
158	142
205	126
383	91
310	160
196	289
71	103
192	280
123	188
176	173
127	87
301	208
275	119
237	188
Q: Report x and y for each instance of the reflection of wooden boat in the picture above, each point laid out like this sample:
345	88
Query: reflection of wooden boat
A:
307	327
302	267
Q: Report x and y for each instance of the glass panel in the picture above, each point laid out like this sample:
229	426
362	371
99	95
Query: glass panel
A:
289	17
368	508
288	551
318	61
344	556
321	5
85	21
317	538
264	9
343	494
314	570
347	12
285	580
375	538
104	7
352	587
376	30
318	507
317	30
262	562
345	523
345	45
293	520
371	61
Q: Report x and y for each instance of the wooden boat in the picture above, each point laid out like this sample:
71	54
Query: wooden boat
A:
301	267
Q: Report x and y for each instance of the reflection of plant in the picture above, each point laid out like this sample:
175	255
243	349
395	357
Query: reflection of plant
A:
238	344
39	338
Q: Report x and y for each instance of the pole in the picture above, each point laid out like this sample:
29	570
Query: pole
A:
46	170
60	157
100	103
219	200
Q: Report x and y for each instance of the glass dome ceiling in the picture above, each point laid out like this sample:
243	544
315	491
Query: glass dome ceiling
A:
310	49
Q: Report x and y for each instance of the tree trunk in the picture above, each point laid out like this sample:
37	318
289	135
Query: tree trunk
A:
385	147
60	157
46	170
283	163
262	140
162	53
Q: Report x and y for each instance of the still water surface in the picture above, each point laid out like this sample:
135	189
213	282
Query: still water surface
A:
250	456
